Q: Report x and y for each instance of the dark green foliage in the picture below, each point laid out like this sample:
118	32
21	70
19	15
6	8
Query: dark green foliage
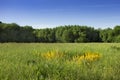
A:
116	30
45	35
0	22
70	33
107	35
68	36
15	33
117	38
26	34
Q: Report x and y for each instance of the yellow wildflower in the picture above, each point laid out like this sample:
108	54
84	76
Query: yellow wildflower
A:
52	55
86	57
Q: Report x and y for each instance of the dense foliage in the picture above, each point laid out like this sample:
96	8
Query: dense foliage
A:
70	33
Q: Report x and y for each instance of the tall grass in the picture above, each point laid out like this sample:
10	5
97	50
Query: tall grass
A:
23	61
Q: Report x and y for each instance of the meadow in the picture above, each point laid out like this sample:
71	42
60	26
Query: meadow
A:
59	61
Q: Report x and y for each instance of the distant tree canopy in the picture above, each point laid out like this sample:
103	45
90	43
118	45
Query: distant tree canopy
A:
69	34
0	22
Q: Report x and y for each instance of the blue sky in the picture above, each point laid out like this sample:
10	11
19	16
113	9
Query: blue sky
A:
52	13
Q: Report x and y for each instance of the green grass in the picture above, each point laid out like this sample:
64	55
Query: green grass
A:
23	61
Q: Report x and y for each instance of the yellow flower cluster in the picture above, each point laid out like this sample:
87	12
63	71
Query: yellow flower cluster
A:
92	56
52	55
86	57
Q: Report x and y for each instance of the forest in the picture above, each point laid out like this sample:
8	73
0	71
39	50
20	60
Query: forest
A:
12	32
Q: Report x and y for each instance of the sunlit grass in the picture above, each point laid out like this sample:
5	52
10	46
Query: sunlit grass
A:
67	61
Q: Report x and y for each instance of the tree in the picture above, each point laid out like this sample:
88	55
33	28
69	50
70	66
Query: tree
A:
9	32
58	33
107	35
81	38
26	34
0	22
68	36
116	30
68	33
117	38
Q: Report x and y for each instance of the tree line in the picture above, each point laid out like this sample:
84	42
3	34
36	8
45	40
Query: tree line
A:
12	32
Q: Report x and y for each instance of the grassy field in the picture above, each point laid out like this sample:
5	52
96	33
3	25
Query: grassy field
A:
59	61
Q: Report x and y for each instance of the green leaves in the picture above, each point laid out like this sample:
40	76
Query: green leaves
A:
68	34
